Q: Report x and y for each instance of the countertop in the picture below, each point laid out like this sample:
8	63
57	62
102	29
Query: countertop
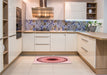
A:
96	35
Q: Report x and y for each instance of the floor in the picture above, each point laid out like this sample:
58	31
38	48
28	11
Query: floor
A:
24	66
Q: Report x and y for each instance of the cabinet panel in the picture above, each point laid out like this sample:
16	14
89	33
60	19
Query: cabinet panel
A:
78	13
71	42
28	42
42	40
12	48
42	47
12	17
58	42
19	45
1	55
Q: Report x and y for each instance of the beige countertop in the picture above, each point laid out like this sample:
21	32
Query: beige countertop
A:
96	35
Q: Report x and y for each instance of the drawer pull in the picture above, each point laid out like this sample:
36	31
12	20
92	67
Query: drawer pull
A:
42	44
84	40
84	49
42	36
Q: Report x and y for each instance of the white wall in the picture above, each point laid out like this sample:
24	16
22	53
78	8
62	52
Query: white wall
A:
57	4
105	16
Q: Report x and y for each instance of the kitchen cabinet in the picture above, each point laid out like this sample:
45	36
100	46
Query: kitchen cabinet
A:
42	42
12	48
87	48
1	55
1	24
71	42
58	41
75	10
12	17
28	42
19	45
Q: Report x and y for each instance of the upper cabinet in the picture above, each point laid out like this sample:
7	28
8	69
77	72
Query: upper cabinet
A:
75	10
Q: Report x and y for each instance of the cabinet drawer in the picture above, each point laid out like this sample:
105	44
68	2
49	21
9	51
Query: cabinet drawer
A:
42	34
42	47
42	40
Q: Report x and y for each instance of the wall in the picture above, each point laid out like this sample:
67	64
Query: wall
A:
105	16
57	4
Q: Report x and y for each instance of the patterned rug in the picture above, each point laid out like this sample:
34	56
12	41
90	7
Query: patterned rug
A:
52	59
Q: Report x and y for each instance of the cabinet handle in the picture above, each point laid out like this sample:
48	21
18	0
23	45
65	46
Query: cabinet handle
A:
85	40
84	49
42	36
42	44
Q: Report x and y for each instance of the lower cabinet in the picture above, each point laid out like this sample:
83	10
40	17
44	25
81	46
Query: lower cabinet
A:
71	42
58	41
87	49
19	45
12	48
1	55
42	42
49	42
28	42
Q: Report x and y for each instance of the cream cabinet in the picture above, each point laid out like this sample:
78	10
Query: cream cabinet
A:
87	48
19	45
12	48
12	17
42	42
1	55
58	41
71	42
1	16
75	10
28	42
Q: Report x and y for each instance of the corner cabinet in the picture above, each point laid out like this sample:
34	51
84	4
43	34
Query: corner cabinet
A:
75	10
87	49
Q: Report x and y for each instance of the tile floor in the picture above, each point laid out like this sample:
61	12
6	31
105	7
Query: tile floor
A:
24	66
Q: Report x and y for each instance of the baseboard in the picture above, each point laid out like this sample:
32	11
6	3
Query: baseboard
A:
91	67
10	64
49	53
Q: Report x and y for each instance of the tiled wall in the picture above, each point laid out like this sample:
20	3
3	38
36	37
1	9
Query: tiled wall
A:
42	25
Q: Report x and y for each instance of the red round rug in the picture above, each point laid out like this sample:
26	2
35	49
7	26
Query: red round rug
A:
52	59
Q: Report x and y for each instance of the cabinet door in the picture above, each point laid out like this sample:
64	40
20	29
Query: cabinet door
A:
58	42
1	10
75	10
12	48
19	45
71	42
12	17
1	55
28	42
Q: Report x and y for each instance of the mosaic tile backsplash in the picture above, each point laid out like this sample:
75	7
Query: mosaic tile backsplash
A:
48	25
